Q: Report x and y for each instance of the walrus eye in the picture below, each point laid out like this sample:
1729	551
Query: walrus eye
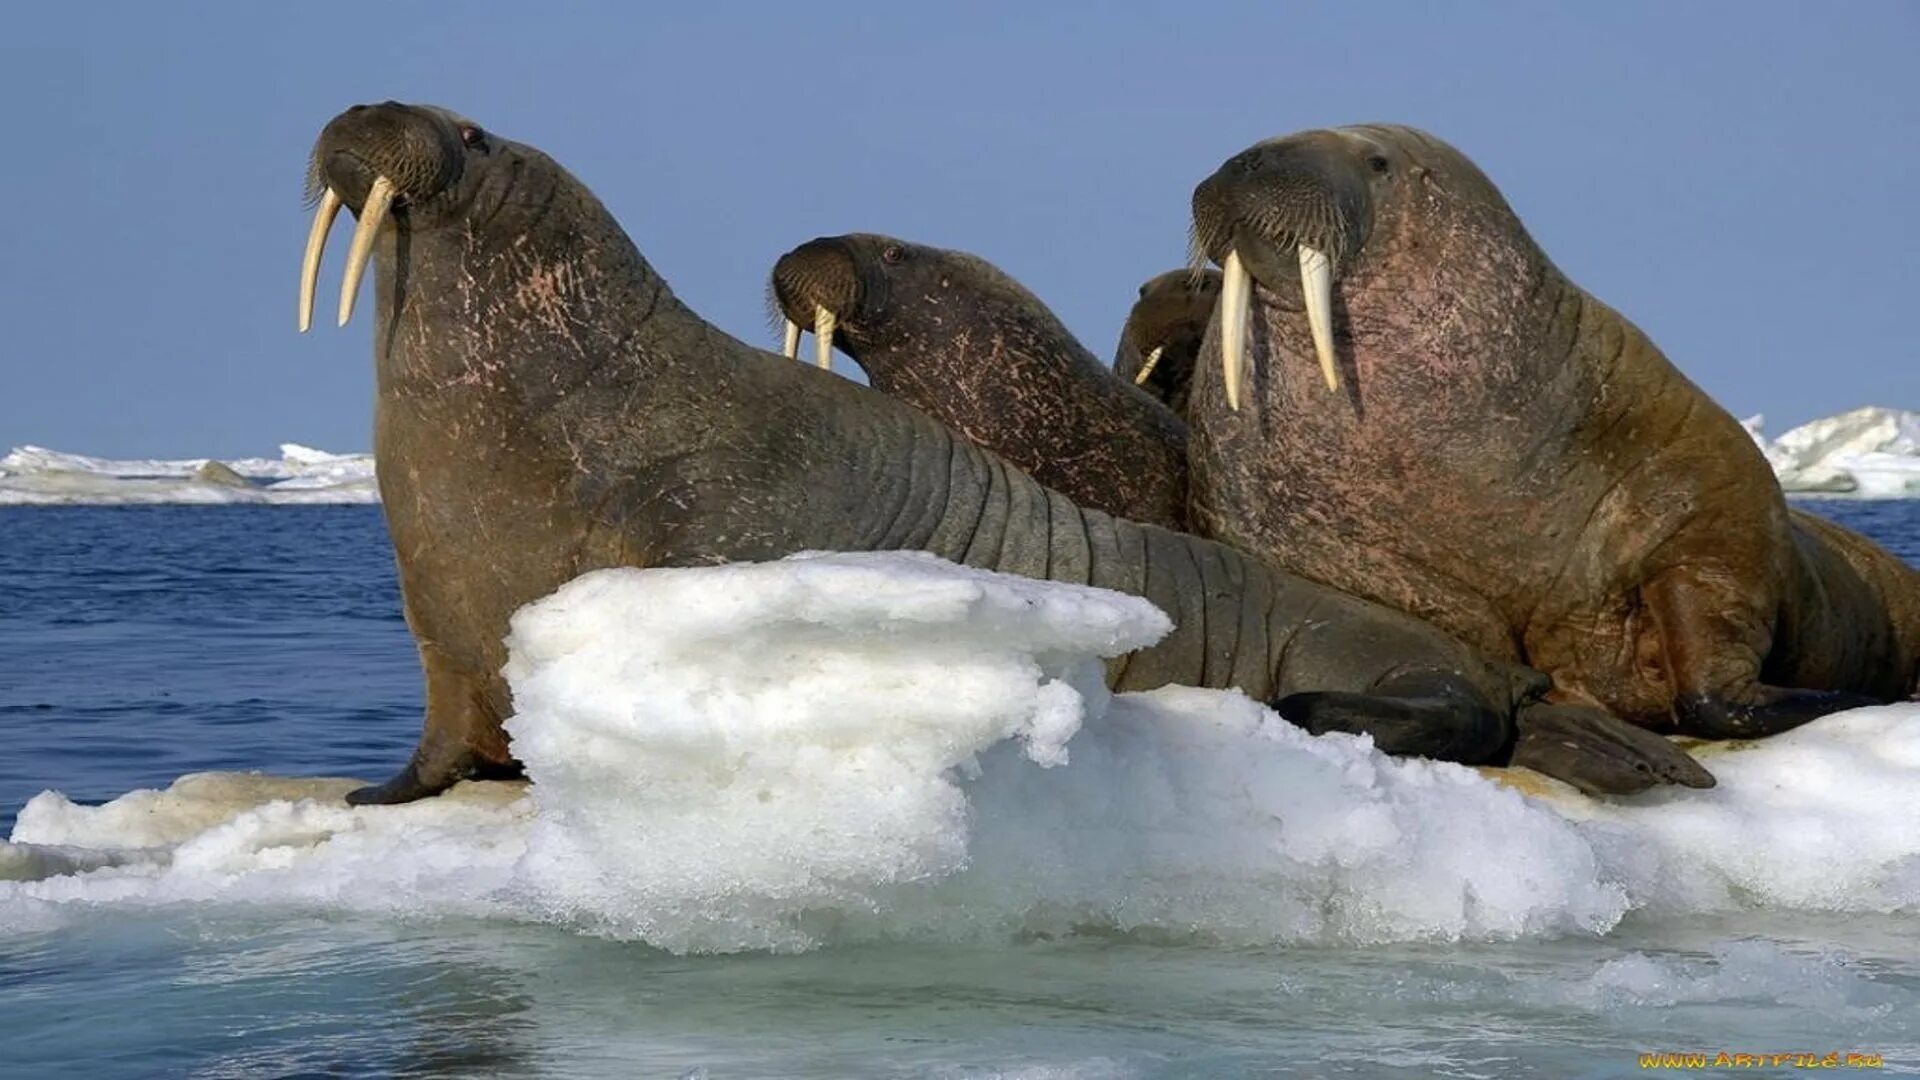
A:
1377	163
892	254
473	136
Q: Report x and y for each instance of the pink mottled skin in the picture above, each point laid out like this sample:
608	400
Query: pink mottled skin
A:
1516	462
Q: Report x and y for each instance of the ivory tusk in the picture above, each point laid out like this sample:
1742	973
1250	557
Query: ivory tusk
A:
316	243
1146	369
372	216
1316	285
823	323
1234	287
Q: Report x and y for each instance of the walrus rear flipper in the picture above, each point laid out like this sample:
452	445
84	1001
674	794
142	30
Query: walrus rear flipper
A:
1420	713
1713	656
1599	753
1777	709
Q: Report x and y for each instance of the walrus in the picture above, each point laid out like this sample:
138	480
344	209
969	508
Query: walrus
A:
1161	339
546	406
954	336
1402	397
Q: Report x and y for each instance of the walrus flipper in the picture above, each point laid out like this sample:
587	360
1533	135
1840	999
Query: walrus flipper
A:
1774	710
462	740
1712	652
1599	753
427	774
1418	713
413	781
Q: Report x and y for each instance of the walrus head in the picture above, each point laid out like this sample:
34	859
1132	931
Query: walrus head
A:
1301	214
1161	341
843	289
409	164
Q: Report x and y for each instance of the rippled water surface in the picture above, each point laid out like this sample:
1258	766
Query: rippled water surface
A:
139	644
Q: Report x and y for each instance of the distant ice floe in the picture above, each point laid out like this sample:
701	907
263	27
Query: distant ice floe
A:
879	747
1869	453
38	476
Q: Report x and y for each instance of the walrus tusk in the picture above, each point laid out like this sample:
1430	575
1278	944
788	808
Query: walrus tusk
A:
790	339
823	322
1234	285
1146	369
316	243
372	216
1316	285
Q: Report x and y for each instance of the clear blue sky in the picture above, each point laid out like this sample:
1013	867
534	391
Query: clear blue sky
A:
1739	178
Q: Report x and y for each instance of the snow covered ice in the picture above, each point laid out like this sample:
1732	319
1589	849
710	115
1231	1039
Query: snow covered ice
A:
38	476
1869	453
886	747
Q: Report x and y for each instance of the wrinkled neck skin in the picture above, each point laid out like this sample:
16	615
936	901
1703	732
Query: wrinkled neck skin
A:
1477	384
990	361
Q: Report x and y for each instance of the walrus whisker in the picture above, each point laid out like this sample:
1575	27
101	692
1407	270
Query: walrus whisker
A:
777	321
323	217
1316	287
372	216
1197	257
316	183
823	323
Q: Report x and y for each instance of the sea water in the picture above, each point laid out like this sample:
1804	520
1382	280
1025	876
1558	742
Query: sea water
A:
852	818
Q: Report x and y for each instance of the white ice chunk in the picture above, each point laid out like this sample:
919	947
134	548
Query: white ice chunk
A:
1869	453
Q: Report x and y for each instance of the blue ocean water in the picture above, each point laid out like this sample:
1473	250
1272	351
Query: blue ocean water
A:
141	643
138	643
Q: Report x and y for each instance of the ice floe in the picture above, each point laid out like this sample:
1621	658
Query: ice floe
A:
38	476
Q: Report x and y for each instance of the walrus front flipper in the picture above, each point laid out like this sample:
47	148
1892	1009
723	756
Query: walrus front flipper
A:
423	781
1599	753
1423	713
412	782
462	740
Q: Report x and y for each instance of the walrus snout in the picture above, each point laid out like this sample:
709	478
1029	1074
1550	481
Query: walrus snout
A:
372	159
816	285
417	148
1313	188
1306	194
